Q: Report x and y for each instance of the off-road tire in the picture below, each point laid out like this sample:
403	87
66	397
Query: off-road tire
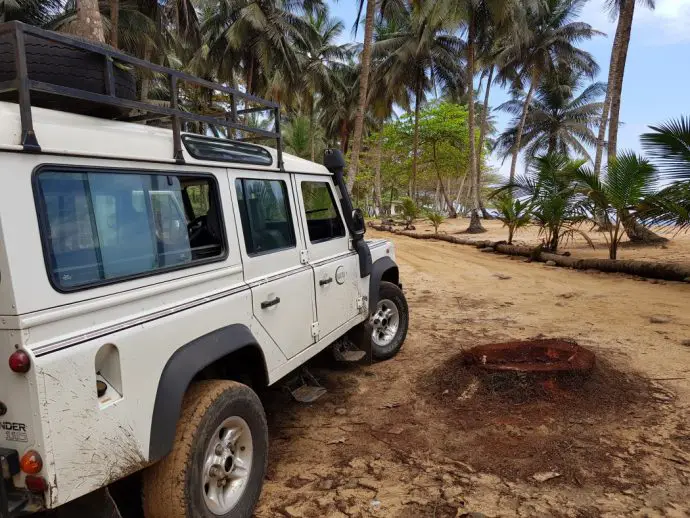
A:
63	65
172	487
388	290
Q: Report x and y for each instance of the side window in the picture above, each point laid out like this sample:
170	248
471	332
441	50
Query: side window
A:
104	226
265	213
323	219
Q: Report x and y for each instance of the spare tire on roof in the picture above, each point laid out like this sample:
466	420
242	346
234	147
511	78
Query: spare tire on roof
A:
62	65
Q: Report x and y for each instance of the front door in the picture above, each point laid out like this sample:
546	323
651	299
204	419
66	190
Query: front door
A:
336	266
282	292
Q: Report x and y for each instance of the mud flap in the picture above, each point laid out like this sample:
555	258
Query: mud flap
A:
360	336
99	504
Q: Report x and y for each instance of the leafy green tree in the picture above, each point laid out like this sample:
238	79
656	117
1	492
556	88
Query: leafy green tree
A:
423	44
628	181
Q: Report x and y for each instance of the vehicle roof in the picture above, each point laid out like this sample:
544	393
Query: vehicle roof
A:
65	133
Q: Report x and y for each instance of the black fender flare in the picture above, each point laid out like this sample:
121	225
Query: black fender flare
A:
378	269
178	373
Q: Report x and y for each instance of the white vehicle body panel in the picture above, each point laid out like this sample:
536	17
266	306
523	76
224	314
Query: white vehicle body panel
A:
138	324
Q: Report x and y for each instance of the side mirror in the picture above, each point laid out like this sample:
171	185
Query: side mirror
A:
358	225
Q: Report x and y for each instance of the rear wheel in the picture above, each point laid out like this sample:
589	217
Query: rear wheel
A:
389	322
217	464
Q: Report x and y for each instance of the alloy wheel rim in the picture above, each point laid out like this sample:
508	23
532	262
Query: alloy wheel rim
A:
385	322
227	465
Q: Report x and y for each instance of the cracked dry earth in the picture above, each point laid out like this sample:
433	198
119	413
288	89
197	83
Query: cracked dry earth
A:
420	436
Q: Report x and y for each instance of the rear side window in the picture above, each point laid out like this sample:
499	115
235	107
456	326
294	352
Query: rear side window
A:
265	213
323	219
100	227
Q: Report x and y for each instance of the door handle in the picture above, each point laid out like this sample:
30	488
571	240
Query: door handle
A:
323	282
268	303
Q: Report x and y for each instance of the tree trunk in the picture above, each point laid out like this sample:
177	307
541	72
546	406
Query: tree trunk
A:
521	128
311	128
146	80
449	204
363	87
343	136
462	186
250	75
89	23
603	124
437	196
475	223
377	172
415	144
114	22
482	137
637	233
625	19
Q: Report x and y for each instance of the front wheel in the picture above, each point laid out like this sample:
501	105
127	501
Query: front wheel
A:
389	322
217	464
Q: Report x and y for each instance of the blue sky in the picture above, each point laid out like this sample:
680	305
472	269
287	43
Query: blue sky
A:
657	74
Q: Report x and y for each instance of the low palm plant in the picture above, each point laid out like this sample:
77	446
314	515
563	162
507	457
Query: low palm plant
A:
410	211
514	213
435	218
549	189
628	181
668	147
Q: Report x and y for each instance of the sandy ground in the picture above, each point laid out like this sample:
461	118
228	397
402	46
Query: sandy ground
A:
676	250
418	436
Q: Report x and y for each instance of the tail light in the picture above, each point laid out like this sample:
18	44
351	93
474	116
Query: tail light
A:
20	362
36	484
31	462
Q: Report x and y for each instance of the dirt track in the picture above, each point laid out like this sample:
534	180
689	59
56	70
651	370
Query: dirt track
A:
404	439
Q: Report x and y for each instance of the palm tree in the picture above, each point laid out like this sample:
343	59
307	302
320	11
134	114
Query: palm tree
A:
668	146
34	12
317	55
619	55
628	181
256	40
422	49
549	188
559	120
482	16
88	23
363	86
550	46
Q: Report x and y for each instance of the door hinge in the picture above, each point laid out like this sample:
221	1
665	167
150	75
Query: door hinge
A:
362	303
315	330
304	256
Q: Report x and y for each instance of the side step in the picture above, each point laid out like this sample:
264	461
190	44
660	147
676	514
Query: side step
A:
344	350
305	388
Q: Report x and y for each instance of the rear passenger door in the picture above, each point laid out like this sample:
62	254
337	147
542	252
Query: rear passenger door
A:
282	287
336	266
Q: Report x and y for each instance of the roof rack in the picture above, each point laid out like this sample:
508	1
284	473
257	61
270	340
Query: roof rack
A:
24	85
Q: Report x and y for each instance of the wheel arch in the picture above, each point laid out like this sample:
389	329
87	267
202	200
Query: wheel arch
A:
383	269
199	359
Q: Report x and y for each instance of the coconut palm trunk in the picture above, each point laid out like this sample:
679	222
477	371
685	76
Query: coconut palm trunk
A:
521	128
440	188
88	23
625	20
114	22
475	222
377	172
606	109
363	87
482	138
412	188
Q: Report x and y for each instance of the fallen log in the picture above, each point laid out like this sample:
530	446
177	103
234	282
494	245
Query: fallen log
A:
648	269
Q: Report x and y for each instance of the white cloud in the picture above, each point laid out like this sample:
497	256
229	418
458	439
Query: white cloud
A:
667	24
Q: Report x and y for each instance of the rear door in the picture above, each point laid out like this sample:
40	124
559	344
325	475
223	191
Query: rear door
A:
281	285
336	265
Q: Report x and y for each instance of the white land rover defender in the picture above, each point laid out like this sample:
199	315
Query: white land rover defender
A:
150	274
